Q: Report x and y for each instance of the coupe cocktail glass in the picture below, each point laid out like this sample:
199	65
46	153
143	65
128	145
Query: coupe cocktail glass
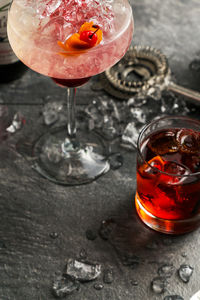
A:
168	175
39	32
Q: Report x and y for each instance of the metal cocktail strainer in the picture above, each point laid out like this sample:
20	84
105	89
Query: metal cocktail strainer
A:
140	71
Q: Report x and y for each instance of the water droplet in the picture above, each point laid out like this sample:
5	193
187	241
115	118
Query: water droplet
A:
184	254
106	229
173	297
63	286
91	235
159	284
195	65
108	276
54	235
134	282
98	286
166	270
83	254
82	271
185	272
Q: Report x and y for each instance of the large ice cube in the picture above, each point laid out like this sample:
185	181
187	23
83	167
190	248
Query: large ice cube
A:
188	140
163	142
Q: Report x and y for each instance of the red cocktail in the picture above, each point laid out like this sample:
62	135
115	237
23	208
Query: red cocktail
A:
168	175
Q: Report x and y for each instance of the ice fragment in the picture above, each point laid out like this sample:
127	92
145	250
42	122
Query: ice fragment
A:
166	270
17	123
63	286
185	272
158	285
82	271
51	112
130	135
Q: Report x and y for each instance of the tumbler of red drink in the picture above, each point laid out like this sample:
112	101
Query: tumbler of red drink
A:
168	175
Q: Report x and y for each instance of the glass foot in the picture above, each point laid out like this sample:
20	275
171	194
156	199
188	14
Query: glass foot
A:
64	161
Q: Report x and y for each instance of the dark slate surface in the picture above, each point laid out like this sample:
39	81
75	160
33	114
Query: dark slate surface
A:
31	208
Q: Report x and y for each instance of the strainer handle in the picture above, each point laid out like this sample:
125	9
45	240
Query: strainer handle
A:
193	95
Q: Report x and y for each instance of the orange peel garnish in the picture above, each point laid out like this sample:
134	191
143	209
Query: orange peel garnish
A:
74	45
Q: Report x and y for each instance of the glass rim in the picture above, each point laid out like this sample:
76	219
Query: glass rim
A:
130	20
154	122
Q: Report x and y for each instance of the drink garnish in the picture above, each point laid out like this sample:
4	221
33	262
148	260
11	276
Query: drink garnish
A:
152	166
88	36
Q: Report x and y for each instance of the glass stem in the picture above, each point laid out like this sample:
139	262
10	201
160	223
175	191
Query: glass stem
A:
71	112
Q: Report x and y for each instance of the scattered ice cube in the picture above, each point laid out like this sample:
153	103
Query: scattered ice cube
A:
108	276
138	115
159	285
137	101
63	286
82	271
53	152
115	112
98	286
173	297
17	123
106	229
51	112
185	272
109	130
130	135
166	270
196	296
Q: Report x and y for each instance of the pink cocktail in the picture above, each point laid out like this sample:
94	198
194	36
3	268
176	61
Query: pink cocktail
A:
49	37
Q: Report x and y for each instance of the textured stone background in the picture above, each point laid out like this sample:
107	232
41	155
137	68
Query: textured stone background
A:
31	207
